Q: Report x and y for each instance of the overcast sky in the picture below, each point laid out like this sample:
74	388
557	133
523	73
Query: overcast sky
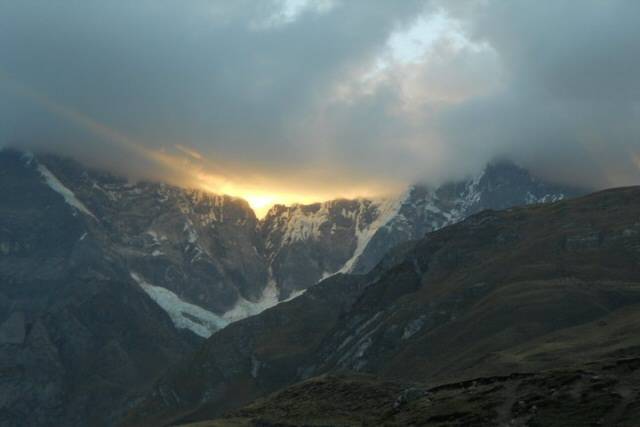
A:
328	97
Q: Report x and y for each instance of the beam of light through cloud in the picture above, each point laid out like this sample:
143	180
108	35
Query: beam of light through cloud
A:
184	166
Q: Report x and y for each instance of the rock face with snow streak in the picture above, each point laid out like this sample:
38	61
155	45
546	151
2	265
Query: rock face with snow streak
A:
105	283
203	247
304	244
501	185
211	252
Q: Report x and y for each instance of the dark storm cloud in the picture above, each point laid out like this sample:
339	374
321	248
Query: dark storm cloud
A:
255	88
570	103
218	76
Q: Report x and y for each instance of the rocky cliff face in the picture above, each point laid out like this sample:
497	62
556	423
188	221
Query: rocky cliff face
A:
304	244
204	248
520	290
76	335
423	209
208	256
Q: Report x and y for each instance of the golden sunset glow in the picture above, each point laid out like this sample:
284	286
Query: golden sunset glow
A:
189	168
260	199
261	203
186	167
265	192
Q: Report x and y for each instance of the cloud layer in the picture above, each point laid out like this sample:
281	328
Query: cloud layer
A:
326	97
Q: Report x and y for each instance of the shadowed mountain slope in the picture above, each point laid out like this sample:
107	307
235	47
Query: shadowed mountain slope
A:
606	393
75	334
105	283
520	290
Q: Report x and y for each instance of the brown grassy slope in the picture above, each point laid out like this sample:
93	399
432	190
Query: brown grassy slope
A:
503	279
605	394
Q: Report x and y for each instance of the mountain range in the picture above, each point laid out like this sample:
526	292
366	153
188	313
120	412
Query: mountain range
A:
525	316
105	283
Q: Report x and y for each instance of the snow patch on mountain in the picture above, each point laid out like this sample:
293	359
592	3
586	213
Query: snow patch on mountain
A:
68	195
191	232
184	315
387	209
470	196
200	321
531	198
270	298
304	226
245	308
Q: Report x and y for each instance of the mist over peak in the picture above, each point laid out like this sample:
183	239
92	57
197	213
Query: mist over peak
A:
318	100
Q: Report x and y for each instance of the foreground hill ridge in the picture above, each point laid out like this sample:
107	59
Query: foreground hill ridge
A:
601	393
520	290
